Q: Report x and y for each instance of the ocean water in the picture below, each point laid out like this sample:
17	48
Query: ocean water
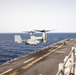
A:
10	50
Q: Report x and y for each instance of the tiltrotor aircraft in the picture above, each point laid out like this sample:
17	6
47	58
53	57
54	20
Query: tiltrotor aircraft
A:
34	40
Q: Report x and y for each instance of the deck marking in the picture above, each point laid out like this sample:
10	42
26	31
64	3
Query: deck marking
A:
64	49
60	51
39	74
29	60
6	71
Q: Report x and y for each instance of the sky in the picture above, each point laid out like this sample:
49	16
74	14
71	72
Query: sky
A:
26	15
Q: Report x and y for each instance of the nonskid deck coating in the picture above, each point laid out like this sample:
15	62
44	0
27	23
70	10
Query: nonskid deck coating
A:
45	61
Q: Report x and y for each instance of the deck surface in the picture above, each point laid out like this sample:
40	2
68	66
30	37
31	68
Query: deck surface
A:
42	62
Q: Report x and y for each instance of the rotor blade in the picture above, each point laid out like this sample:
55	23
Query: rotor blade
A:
38	30
43	30
28	31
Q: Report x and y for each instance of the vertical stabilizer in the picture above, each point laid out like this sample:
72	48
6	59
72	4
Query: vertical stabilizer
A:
18	38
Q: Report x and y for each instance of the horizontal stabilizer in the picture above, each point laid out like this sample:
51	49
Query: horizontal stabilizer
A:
18	38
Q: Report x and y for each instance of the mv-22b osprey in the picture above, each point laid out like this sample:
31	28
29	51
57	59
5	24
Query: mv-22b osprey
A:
34	40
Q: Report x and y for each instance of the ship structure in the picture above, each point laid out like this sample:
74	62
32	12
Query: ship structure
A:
56	59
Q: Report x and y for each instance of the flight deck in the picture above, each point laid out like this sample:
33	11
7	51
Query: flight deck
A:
41	62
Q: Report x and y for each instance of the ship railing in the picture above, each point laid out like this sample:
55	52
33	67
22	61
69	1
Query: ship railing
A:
68	66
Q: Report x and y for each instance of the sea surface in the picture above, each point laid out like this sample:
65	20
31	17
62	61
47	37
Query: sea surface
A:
10	50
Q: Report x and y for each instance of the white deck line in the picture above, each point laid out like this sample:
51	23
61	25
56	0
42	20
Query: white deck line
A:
6	71
29	60
60	51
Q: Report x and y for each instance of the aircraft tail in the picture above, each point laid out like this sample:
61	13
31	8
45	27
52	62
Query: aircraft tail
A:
18	38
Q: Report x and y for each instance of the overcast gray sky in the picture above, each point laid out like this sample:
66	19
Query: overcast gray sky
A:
23	15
